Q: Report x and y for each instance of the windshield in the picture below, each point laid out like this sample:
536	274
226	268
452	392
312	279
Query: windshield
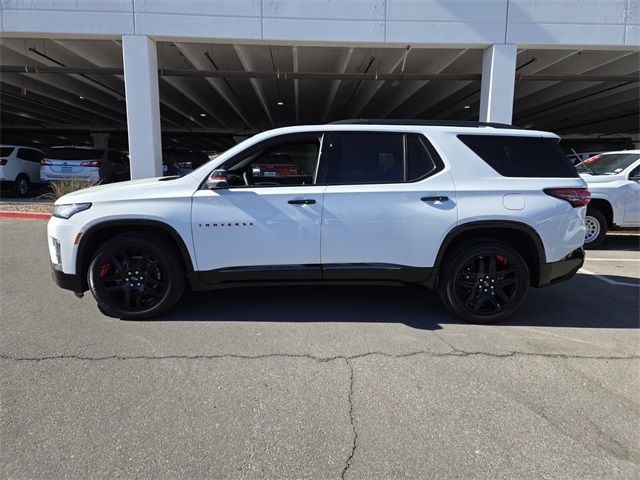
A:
607	164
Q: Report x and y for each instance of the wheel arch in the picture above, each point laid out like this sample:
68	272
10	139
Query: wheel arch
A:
103	231
603	206
519	235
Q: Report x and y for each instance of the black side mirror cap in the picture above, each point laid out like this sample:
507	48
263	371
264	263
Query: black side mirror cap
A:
217	179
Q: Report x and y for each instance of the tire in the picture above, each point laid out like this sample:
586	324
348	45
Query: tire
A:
596	224
22	185
136	276
470	278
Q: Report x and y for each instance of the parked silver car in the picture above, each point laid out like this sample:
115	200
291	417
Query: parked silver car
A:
84	163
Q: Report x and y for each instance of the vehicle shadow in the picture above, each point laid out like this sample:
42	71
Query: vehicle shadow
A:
620	241
583	302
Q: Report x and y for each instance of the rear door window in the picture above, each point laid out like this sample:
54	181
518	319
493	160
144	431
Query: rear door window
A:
521	156
30	155
380	157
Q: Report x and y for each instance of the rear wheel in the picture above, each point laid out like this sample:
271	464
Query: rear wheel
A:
484	282
596	225
22	185
135	276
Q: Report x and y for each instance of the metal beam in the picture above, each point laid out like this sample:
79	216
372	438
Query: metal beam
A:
256	74
335	85
247	65
226	93
295	83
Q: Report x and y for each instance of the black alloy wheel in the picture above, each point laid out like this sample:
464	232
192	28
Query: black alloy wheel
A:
485	282
22	185
135	276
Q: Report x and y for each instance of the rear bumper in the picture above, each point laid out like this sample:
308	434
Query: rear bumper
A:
561	270
67	281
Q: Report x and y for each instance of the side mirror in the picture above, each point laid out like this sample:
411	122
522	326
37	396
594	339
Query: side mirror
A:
217	179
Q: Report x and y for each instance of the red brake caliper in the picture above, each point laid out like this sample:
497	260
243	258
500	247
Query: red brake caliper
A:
104	270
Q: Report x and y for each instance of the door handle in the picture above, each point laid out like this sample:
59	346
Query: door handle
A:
302	202
434	199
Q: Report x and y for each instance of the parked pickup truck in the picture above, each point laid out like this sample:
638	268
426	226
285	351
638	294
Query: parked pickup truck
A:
614	182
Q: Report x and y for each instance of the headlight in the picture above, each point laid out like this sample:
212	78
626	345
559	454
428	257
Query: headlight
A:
67	211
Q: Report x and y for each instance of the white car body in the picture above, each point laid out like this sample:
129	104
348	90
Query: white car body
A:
384	230
621	193
20	162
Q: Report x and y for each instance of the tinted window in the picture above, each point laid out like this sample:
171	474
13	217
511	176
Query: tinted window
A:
419	161
75	154
5	151
30	155
367	158
513	156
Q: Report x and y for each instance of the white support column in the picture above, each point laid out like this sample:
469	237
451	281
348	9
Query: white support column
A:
498	77
143	106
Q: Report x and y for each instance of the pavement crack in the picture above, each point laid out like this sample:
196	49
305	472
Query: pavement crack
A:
426	353
347	464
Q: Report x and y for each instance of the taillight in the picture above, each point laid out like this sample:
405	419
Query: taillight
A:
184	165
92	163
3	161
577	197
45	162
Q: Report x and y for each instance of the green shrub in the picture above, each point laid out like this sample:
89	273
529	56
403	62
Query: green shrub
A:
62	187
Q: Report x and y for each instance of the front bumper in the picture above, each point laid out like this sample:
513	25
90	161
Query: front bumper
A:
68	281
555	272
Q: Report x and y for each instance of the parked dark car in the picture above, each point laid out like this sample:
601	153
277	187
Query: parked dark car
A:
178	161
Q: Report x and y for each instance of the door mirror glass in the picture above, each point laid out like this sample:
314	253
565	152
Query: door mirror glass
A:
217	179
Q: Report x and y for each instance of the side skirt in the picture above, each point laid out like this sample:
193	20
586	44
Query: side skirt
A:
339	274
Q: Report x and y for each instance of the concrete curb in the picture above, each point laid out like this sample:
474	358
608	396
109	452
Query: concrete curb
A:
25	215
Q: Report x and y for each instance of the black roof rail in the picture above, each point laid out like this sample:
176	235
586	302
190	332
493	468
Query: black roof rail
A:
421	123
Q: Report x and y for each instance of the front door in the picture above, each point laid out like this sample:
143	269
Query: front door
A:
631	195
266	224
388	205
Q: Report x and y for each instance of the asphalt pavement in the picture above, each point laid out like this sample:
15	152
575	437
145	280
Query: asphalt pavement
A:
359	382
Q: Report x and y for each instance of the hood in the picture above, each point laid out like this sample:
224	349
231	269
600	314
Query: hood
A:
591	179
133	189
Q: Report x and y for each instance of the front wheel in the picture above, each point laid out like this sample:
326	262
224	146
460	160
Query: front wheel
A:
596	228
135	276
484	282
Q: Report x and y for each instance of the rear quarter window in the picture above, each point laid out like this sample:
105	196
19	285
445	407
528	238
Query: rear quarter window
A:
5	151
521	156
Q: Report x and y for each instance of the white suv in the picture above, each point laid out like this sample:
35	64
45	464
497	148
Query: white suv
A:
614	181
20	166
479	212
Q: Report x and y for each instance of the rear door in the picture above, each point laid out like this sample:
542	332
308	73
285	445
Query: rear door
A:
266	224
388	204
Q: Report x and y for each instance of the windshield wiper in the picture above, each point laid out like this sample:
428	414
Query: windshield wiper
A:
589	170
